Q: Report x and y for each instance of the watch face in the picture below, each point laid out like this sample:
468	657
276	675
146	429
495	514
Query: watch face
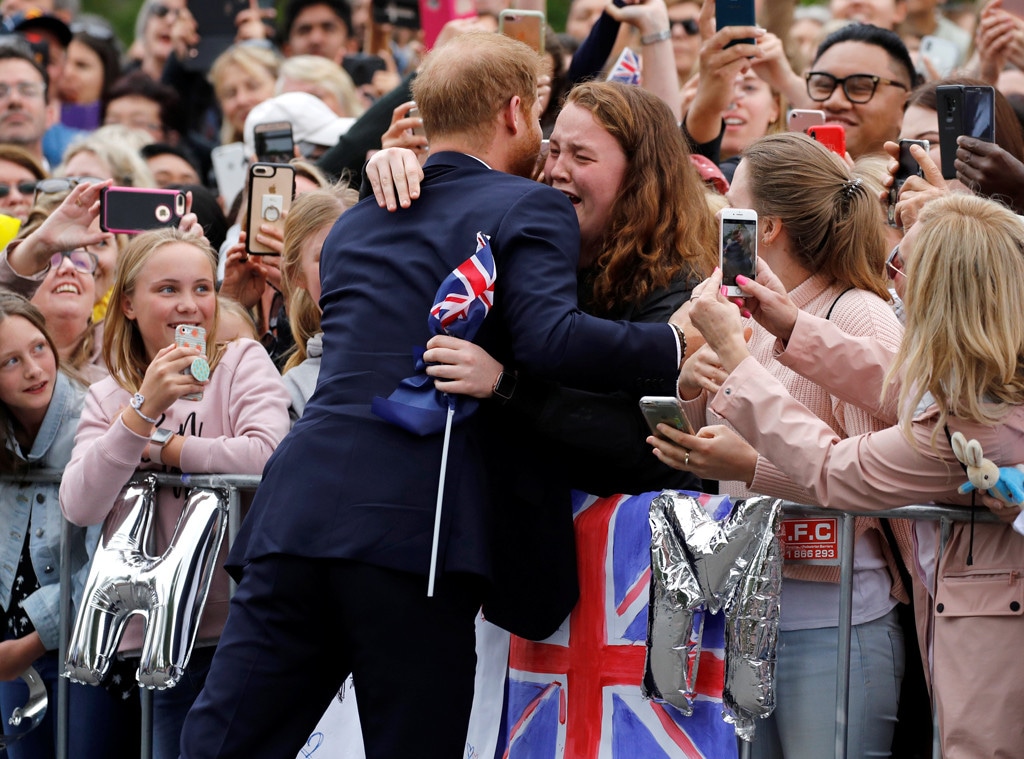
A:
161	436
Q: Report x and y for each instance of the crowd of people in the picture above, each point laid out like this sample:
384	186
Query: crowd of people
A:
577	213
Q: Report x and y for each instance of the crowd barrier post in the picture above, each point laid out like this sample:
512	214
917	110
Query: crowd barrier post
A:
234	484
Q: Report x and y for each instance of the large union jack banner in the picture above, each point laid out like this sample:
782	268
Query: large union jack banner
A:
577	695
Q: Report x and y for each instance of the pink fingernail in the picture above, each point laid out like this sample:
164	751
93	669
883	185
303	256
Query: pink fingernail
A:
723	291
745	313
741	280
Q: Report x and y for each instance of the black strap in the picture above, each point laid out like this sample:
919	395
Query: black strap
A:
828	316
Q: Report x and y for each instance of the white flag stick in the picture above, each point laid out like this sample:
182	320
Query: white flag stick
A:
440	498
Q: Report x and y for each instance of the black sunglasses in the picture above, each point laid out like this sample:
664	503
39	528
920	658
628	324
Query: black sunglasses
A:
25	188
690	26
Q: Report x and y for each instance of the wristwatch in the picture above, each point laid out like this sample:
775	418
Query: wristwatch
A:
157	441
504	386
136	403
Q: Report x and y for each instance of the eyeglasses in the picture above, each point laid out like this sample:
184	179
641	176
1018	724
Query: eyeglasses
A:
25	89
161	11
859	88
691	27
25	188
894	264
54	185
81	259
99	31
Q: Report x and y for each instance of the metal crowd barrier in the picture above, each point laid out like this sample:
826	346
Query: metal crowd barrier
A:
236	483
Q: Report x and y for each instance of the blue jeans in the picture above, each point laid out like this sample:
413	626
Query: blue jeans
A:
804	722
170	706
99	726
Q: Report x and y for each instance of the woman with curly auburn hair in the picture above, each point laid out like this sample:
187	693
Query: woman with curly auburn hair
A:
645	228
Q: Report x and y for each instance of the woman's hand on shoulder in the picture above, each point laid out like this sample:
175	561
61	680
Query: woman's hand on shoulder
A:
395	175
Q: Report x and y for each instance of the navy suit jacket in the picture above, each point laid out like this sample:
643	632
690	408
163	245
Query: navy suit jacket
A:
346	484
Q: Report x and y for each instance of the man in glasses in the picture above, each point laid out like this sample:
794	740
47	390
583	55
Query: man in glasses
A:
861	78
24	115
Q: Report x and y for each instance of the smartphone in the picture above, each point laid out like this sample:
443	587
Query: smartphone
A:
273	142
271	189
658	409
735	13
215	23
943	54
127	210
909	167
414	113
832	136
192	336
1016	7
434	15
525	26
737	228
229	170
801	119
968	110
980	112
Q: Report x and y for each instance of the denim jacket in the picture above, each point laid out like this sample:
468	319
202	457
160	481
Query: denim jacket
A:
20	501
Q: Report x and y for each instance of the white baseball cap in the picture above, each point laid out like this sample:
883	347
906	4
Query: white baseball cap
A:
312	121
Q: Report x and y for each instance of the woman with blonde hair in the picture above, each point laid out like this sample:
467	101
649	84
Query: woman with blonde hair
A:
957	370
108	153
242	77
820	228
145	416
307	224
321	77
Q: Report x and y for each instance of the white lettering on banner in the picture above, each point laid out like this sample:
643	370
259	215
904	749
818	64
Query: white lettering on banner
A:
811	540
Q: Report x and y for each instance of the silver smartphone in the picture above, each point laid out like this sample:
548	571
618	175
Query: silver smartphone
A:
663	409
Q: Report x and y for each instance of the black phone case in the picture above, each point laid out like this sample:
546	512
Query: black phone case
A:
980	112
130	209
735	13
950	103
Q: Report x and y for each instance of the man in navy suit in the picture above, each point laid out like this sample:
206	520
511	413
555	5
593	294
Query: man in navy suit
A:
334	553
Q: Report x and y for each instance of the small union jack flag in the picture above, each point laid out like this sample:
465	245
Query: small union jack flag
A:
460	305
626	69
467	294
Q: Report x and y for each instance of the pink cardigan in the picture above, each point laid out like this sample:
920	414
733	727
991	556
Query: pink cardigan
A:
233	430
971	620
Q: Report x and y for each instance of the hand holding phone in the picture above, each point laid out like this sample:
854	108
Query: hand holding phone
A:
963	109
737	229
659	409
908	167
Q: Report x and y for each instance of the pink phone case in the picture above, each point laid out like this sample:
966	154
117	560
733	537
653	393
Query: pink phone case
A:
127	210
191	336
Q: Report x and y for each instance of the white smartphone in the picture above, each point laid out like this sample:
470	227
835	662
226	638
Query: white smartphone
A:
802	119
943	54
663	409
229	165
737	228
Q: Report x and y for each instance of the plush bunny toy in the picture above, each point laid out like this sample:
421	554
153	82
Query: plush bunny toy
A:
1005	483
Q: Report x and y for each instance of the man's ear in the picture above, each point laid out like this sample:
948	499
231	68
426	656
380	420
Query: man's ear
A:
512	115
